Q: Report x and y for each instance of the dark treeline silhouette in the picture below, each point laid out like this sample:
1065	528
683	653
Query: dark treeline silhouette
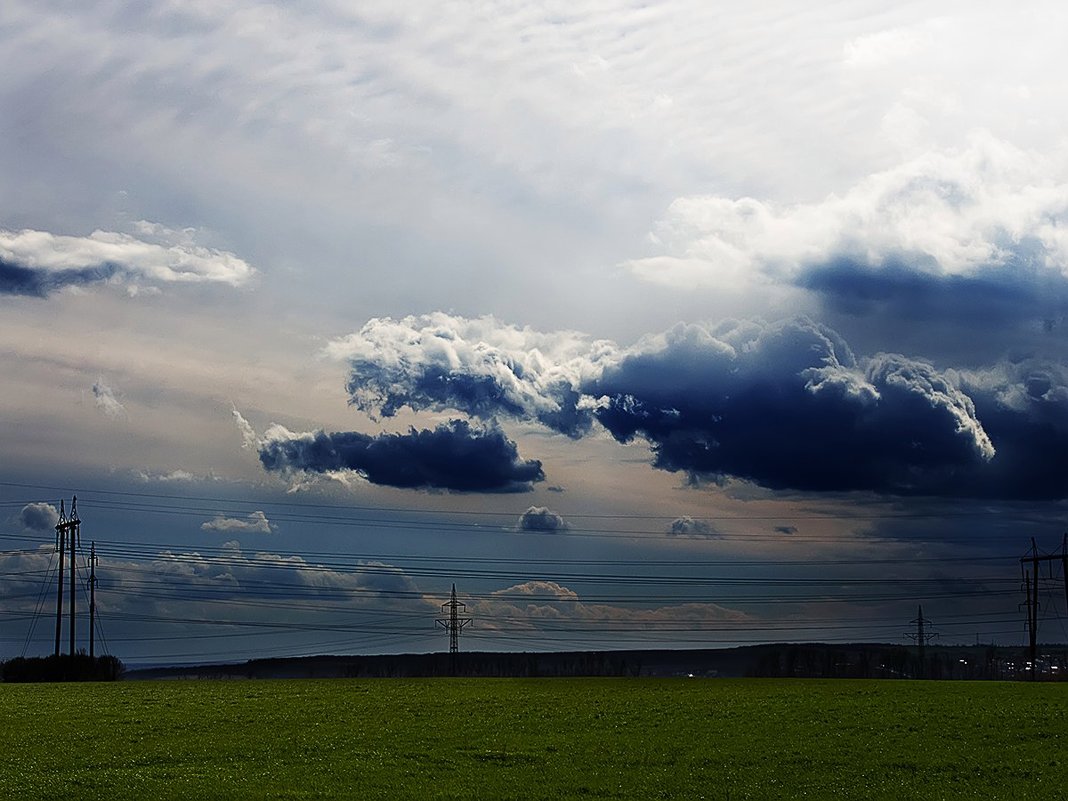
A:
474	664
802	660
873	661
80	667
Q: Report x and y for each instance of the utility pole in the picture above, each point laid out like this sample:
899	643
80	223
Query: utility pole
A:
68	536
92	599
1031	593
61	544
1031	590
922	637
74	527
454	624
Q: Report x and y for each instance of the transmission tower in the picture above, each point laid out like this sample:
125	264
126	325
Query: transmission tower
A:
1031	591
68	536
454	621
921	637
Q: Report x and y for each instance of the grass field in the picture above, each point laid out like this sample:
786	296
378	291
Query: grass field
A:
539	738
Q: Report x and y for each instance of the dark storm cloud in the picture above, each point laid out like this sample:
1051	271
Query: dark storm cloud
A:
1024	409
38	517
16	279
787	407
899	291
453	456
784	406
541	518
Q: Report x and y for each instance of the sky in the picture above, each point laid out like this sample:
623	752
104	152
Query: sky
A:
675	324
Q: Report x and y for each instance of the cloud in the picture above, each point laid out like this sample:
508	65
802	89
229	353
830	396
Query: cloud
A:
979	229
453	456
785	405
249	438
105	399
38	263
256	523
886	47
789	406
686	526
1024	408
539	589
39	517
174	476
235	573
478	366
533	604
543	519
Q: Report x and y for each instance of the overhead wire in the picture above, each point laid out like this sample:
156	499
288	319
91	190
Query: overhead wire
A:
39	603
269	594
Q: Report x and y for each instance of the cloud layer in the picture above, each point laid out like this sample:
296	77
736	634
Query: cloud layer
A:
453	456
39	263
784	406
981	229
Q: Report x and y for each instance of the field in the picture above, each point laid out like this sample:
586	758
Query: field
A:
538	738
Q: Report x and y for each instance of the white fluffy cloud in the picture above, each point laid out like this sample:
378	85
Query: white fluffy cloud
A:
951	213
39	262
39	517
255	523
543	519
107	402
480	363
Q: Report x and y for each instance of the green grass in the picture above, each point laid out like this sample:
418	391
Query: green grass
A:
547	738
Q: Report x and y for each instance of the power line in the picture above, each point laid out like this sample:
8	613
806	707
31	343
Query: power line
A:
119	546
140	571
985	512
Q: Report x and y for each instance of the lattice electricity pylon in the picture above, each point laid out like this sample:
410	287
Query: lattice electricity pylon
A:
922	637
453	622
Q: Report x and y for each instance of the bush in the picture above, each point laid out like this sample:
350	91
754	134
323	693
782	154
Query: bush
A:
79	667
